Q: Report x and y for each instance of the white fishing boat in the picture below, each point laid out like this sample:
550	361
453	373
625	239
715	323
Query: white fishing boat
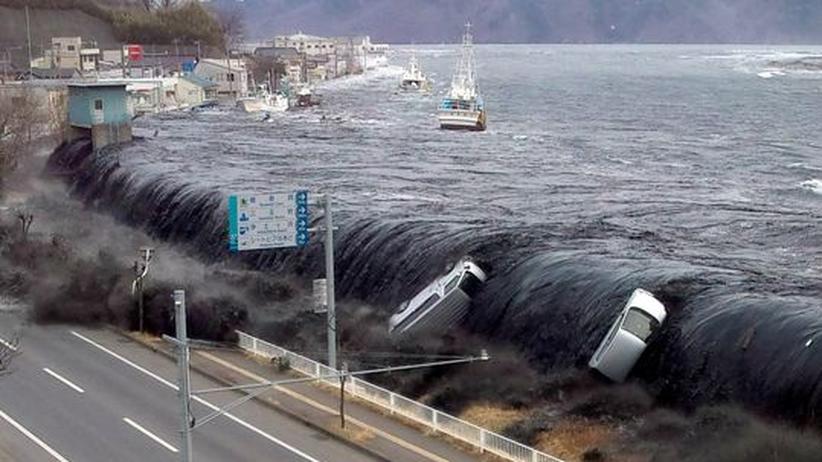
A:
264	101
463	107
413	78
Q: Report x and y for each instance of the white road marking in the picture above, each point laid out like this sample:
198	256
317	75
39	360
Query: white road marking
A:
205	403
32	437
65	381
154	437
8	345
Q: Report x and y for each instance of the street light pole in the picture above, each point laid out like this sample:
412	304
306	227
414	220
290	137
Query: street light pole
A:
184	391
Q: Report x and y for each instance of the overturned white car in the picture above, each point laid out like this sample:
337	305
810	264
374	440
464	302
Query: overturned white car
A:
628	336
442	304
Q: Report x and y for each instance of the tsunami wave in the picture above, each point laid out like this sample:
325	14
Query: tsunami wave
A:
730	336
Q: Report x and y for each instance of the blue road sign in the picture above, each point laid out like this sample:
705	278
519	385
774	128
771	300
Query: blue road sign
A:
267	221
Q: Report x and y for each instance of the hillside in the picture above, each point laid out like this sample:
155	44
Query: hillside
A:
557	21
108	22
51	23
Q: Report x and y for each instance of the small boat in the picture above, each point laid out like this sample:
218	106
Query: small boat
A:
413	78
306	97
442	304
463	107
264	101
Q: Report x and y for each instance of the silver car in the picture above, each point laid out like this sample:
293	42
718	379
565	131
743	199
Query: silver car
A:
442	304
628	336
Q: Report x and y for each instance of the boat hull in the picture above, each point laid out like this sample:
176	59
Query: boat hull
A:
415	85
462	120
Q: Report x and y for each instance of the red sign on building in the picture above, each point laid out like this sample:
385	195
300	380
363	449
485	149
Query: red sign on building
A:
135	52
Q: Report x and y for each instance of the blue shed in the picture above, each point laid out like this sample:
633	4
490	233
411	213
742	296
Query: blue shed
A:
97	103
99	110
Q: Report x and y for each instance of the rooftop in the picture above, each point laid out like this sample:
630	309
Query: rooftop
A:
235	63
300	36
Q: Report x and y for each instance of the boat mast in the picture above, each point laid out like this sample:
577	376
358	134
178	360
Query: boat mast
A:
463	84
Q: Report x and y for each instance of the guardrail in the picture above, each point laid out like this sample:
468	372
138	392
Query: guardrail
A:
482	439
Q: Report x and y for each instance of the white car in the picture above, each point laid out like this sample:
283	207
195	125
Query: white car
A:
628	336
442	304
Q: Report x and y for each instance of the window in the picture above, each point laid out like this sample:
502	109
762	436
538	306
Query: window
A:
430	301
98	105
229	77
71	48
640	323
452	283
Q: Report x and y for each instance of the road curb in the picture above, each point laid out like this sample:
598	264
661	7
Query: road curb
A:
342	437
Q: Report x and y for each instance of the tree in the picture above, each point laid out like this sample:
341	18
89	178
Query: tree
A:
232	25
151	5
19	115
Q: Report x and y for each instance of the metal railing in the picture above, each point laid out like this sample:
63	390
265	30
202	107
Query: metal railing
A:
482	439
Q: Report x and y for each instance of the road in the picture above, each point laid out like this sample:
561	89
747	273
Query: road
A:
89	395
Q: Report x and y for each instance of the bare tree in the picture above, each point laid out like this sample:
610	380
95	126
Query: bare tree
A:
25	220
151	5
232	25
18	115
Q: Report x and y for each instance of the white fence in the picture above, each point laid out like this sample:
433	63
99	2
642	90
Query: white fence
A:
483	440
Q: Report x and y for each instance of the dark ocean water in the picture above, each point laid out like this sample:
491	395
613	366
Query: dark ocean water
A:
695	172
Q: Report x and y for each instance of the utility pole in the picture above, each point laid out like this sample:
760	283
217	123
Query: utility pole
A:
230	75
28	35
343	377
329	278
141	271
184	391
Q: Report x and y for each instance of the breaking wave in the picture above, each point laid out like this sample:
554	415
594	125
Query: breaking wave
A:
813	185
730	335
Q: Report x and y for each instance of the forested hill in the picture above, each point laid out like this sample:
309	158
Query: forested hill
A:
555	21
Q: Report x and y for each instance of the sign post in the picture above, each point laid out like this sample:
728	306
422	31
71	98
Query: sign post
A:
267	221
280	220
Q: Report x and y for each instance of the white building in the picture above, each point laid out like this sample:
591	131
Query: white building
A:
311	45
71	53
192	91
231	76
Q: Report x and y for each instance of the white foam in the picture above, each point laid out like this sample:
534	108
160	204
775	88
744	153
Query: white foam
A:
359	80
813	185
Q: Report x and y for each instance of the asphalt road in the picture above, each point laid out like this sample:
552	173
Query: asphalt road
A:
87	395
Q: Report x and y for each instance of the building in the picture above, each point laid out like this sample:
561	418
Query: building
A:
72	53
100	111
90	59
277	53
360	53
65	52
311	45
194	91
231	76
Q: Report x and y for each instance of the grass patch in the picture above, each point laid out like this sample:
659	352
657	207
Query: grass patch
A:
492	417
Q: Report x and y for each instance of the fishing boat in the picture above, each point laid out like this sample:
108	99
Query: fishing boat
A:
264	101
463	108
413	78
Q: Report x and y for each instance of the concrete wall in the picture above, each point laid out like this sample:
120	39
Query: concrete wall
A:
107	134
